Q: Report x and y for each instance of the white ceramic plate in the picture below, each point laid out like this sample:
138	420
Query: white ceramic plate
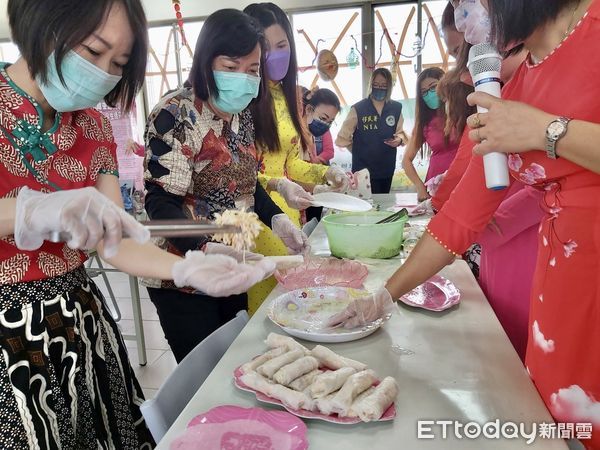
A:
302	313
341	202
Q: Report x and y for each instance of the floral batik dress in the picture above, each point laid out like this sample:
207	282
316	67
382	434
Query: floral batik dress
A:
65	379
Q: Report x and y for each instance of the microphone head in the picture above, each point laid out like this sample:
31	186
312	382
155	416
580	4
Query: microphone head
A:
484	58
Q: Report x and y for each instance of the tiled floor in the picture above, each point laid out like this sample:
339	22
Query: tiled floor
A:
160	359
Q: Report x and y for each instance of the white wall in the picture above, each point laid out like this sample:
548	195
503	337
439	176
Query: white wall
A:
159	10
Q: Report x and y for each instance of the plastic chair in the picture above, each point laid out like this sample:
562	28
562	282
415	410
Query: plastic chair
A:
178	389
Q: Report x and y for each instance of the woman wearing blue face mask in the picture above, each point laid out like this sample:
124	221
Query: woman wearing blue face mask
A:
373	130
321	108
65	378
201	160
430	124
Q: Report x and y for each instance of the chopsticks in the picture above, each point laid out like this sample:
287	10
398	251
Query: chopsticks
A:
394	217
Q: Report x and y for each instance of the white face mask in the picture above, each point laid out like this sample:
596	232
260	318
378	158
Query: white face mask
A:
472	19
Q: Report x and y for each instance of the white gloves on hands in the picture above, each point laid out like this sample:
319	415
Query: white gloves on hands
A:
320	188
364	310
294	194
293	238
219	275
337	178
424	207
216	248
85	214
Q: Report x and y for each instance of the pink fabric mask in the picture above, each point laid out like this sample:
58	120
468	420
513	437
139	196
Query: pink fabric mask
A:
472	19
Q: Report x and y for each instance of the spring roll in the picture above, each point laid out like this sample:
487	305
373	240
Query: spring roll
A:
328	382
354	385
251	366
300	367
269	368
332	360
373	406
352	412
324	405
303	382
290	398
275	340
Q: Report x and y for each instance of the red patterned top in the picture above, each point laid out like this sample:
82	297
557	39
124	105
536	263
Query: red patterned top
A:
70	155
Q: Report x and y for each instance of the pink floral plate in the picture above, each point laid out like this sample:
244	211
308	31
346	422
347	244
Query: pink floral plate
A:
236	428
436	294
316	272
388	415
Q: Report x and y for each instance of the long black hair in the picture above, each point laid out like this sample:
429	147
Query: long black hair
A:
40	27
269	14
424	114
515	20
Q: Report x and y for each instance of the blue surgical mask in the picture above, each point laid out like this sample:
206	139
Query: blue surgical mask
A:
431	99
236	91
85	83
318	127
378	94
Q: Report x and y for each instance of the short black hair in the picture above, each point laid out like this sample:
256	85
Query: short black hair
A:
324	97
515	20
40	27
227	32
269	14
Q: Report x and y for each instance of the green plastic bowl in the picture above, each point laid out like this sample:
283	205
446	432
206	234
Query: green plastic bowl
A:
357	235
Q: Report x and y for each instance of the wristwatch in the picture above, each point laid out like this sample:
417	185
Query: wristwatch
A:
556	130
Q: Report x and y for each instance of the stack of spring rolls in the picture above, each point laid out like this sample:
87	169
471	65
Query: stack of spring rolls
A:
318	380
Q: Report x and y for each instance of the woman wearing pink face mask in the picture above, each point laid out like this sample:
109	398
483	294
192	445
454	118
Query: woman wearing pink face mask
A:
547	122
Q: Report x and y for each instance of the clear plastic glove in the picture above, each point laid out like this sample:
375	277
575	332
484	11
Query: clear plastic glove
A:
424	207
216	248
294	194
364	310
320	188
85	214
434	183
337	178
292	236
219	275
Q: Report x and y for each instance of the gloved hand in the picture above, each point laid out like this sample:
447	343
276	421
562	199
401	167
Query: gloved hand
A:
320	188
294	194
337	178
85	214
219	275
364	310
293	238
422	208
216	248
434	183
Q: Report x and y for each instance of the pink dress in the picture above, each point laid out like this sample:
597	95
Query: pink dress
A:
508	261
442	153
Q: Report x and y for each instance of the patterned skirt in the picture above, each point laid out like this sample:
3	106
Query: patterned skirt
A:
65	378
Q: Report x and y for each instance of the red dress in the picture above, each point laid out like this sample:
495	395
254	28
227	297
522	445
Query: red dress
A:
563	353
72	154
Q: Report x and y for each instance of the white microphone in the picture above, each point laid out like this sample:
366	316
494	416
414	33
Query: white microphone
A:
484	66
